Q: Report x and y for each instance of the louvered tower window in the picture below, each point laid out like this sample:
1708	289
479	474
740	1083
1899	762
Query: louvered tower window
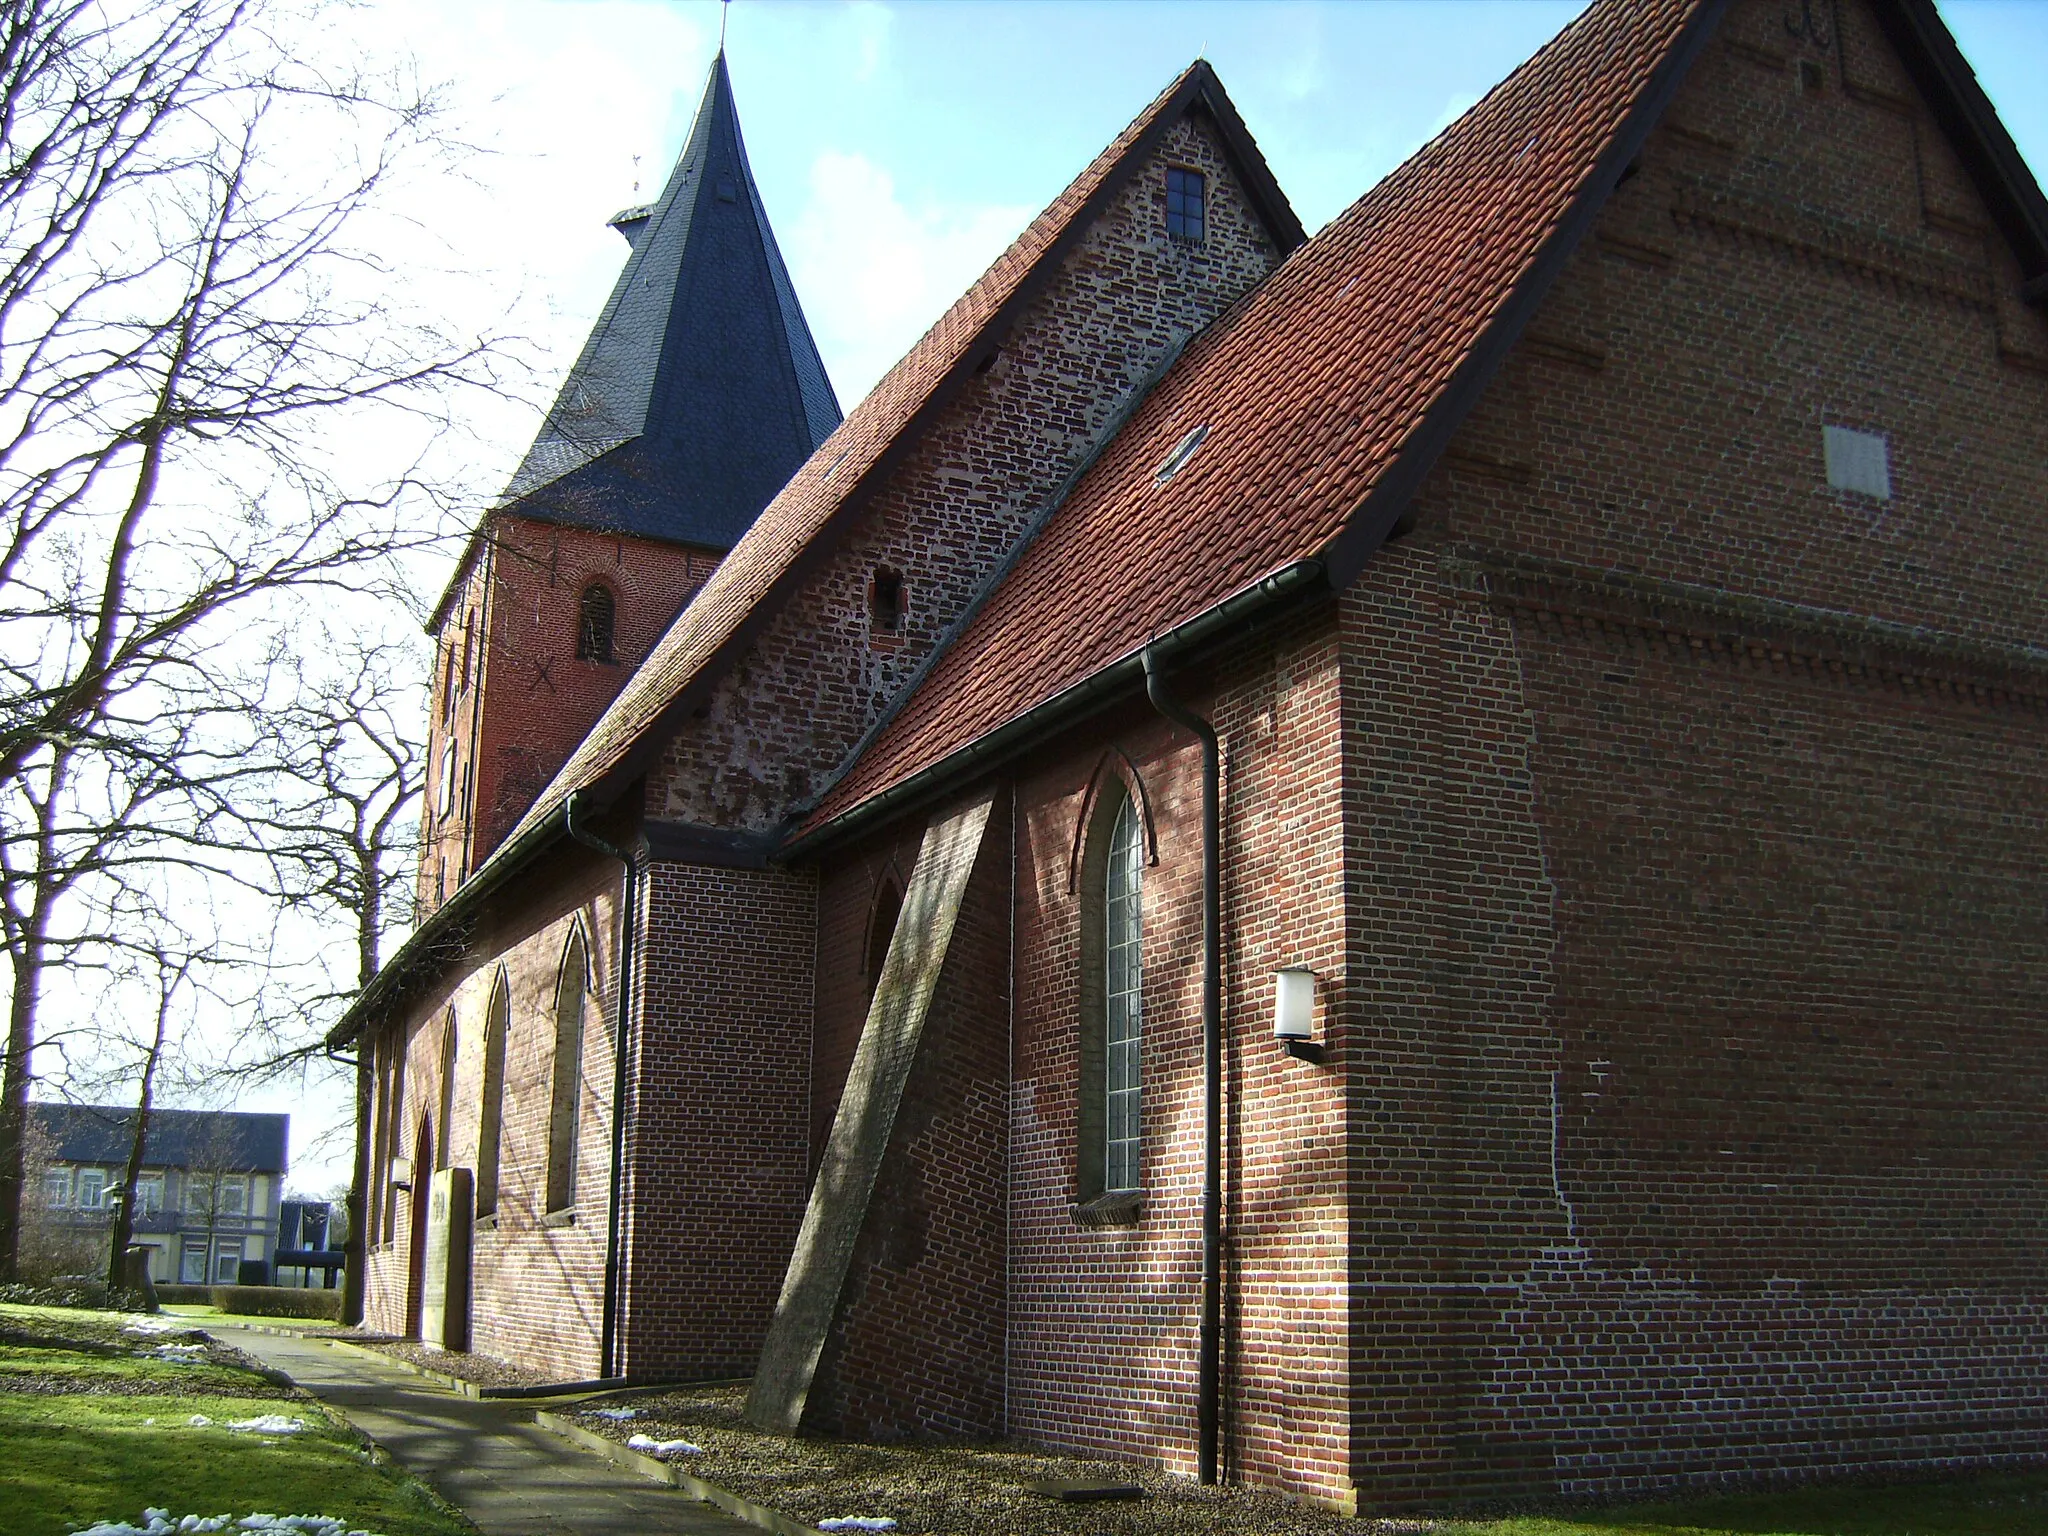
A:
594	624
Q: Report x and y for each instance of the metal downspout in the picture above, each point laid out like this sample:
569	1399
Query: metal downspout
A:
608	1345
1209	1372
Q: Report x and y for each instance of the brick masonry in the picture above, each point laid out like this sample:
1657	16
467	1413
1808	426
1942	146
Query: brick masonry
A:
1664	827
515	711
784	719
537	1277
717	1160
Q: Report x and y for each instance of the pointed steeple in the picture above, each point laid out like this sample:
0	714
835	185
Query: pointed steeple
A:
700	390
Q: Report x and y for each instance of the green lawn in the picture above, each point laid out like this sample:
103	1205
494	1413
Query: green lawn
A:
208	1317
95	1424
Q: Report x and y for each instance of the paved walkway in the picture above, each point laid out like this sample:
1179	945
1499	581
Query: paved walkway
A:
486	1458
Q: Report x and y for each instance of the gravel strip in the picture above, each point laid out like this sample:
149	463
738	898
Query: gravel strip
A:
948	1490
465	1365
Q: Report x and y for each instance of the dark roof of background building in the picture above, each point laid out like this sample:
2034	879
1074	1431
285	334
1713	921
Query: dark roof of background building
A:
700	389
178	1138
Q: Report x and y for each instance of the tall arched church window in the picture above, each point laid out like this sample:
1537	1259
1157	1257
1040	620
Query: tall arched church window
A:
394	1110
595	615
1112	997
449	1040
1123	987
570	995
491	1102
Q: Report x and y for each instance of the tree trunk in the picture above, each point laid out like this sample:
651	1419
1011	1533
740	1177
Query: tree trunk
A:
14	1083
124	1214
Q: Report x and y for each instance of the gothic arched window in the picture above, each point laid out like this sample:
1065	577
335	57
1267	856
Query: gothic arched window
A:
595	614
491	1102
1112	994
1123	986
570	993
449	1047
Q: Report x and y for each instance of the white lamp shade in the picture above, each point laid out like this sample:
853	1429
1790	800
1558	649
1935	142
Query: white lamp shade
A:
1294	1003
401	1170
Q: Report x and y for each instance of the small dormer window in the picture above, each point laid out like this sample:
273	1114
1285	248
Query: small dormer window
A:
885	601
1186	216
595	613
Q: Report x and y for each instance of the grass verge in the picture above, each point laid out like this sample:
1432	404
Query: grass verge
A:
96	1423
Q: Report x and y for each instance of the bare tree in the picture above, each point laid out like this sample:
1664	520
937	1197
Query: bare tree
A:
170	976
344	839
192	304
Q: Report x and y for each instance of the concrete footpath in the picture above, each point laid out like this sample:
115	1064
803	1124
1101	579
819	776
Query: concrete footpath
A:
486	1458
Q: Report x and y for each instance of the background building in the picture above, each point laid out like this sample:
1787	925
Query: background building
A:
205	1203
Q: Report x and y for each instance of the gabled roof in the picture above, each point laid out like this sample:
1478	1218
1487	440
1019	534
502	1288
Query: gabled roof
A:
1322	397
701	360
225	1140
798	527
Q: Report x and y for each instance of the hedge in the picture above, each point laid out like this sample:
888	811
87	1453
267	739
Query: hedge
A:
272	1301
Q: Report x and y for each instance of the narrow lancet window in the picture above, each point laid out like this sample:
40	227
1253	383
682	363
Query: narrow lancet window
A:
568	1085
491	1108
1123	998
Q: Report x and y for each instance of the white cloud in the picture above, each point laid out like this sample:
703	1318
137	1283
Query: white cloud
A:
875	272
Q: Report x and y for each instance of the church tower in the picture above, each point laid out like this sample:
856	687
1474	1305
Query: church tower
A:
698	393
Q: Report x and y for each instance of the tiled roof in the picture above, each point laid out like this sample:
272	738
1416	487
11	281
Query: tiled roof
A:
1309	393
882	428
227	1140
700	388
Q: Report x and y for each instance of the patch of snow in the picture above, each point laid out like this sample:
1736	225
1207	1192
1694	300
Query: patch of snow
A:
858	1523
180	1354
199	1421
616	1415
149	1324
268	1424
654	1447
160	1522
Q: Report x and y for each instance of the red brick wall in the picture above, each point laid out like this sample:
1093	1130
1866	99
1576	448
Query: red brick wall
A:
537	1289
918	1346
1103	1320
1697	808
717	1170
530	699
815	679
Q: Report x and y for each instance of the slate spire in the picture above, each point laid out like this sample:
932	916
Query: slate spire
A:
700	390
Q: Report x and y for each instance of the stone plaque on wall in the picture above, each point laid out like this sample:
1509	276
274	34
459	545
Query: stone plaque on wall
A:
444	1300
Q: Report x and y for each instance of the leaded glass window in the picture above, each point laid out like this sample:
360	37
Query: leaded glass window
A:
1185	215
1123	998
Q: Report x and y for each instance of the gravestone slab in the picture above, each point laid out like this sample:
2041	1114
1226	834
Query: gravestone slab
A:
444	1299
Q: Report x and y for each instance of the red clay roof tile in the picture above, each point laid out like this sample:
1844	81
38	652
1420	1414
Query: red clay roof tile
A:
1310	388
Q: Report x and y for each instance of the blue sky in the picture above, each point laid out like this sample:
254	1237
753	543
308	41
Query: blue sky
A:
899	147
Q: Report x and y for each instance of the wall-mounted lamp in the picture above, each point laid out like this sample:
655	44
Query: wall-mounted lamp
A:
1294	1012
401	1173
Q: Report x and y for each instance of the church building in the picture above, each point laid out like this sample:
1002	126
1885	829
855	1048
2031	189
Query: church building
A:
1402	865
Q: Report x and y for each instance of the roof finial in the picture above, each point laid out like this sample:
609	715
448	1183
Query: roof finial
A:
724	11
